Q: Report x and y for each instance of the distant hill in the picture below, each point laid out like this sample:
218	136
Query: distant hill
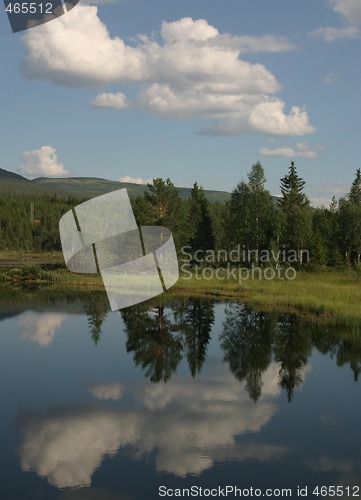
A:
15	183
5	174
85	187
88	187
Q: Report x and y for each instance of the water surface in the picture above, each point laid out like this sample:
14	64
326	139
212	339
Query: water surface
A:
180	393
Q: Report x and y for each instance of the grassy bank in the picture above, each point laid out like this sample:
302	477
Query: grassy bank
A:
10	258
333	295
330	296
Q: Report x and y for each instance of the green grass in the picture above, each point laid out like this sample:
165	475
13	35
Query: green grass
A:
12	257
332	295
34	274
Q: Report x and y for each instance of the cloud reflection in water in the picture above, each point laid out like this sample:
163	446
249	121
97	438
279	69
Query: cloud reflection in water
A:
40	328
190	424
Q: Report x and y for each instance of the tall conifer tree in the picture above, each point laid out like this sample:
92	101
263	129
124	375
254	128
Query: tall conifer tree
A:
350	222
199	221
294	203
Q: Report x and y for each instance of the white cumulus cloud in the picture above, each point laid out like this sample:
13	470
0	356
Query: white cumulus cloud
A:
42	162
267	117
193	72
302	150
330	34
330	78
65	53
349	9
109	100
135	180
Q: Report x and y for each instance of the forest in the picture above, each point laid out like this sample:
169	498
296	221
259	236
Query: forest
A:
252	220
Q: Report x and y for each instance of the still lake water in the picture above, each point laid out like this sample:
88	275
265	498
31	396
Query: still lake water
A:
179	393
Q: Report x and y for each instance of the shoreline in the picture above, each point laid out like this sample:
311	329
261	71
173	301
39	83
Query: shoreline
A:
328	296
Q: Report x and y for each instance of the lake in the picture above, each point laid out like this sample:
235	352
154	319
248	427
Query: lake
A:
176	394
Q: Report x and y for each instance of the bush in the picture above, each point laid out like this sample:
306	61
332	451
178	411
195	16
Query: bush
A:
28	272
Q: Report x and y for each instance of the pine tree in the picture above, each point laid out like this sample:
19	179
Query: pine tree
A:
218	212
297	230
237	223
164	207
199	221
349	218
355	191
163	202
325	241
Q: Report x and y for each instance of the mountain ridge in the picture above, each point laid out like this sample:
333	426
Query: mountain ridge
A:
85	187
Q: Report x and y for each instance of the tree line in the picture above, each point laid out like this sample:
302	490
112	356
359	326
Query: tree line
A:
252	220
22	230
258	223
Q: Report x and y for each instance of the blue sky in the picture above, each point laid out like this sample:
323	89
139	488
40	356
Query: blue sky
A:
194	90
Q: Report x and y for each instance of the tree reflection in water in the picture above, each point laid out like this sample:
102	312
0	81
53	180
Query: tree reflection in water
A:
157	349
345	347
251	339
159	340
292	347
195	318
160	334
96	308
247	343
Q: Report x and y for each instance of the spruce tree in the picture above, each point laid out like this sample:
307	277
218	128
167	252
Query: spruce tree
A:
237	223
293	197
349	218
297	230
199	221
355	191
